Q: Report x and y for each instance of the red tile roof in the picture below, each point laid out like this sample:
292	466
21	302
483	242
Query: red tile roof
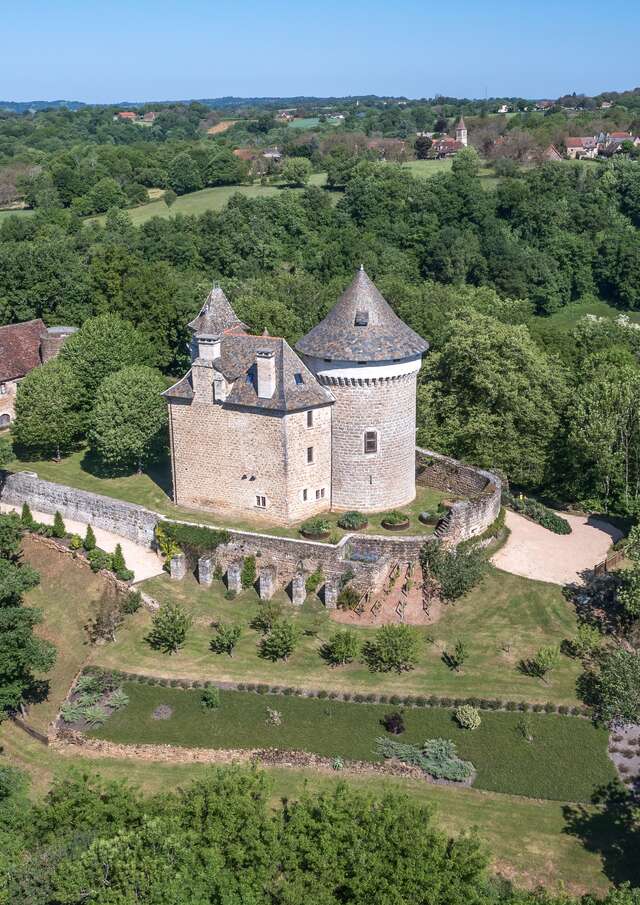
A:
20	348
621	135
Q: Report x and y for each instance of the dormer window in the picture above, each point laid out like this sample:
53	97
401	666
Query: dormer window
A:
361	319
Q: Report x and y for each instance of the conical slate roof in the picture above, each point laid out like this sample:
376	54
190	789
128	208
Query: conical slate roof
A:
216	315
362	327
461	124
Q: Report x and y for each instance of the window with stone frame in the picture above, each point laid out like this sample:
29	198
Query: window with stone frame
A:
370	442
261	501
320	494
309	455
305	495
310	418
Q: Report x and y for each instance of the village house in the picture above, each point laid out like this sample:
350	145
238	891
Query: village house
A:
126	116
150	116
582	147
24	347
551	153
447	146
262	431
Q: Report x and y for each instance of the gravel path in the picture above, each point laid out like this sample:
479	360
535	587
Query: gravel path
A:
535	552
144	563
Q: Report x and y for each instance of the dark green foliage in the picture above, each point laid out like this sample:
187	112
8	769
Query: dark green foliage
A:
395	647
614	692
6	451
12	528
26	517
537	512
99	559
169	628
268	613
394	518
59	529
131	603
456	571
280	642
210	698
89	542
194	539
316	527
352	521
117	560
341	648
248	574
393	722
348	597
226	638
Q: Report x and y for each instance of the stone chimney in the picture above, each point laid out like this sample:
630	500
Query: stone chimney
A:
208	346
266	373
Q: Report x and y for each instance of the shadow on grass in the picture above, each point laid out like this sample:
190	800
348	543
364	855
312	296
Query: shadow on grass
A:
158	471
610	829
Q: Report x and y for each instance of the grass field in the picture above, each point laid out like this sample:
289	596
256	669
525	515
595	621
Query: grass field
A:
526	838
151	490
213	199
504	610
68	594
566	761
426	169
566	318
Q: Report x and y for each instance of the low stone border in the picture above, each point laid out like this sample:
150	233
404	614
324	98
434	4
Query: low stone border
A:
393	700
67	743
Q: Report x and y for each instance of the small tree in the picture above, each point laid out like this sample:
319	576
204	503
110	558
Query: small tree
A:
210	699
296	170
169	628
6	451
267	615
117	560
341	648
107	619
249	573
545	660
26	517
395	648
281	641
59	529
226	638
89	542
457	658
616	692
455	571
11	531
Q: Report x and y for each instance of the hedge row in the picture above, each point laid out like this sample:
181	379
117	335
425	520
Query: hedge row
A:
357	698
196	539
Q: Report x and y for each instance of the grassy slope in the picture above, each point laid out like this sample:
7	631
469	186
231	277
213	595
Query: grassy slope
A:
566	760
67	595
150	490
425	169
526	837
504	608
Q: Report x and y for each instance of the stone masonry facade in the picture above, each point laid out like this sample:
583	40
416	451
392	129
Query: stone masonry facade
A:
384	479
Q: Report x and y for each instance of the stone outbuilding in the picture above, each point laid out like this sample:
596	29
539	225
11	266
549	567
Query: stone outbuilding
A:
258	430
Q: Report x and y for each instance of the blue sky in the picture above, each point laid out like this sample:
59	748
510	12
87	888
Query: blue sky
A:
142	50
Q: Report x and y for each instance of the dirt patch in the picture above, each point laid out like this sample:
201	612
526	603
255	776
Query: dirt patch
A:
535	552
163	712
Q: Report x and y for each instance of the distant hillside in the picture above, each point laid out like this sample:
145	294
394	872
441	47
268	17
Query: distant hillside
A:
24	106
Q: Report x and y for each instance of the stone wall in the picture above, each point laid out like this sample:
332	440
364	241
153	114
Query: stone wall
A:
483	491
466	518
125	519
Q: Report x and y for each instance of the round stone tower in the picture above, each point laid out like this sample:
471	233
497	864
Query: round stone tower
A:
369	359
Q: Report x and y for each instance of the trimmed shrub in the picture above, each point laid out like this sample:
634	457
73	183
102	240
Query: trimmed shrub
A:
468	717
89	542
59	529
352	521
394	518
195	540
210	698
249	572
316	527
537	512
99	559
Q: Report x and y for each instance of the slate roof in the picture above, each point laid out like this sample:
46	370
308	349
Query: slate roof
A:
216	315
296	387
379	336
20	348
461	124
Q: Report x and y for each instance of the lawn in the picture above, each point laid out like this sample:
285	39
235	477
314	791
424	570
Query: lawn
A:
426	169
151	490
527	838
566	760
20	212
567	317
213	199
506	618
68	594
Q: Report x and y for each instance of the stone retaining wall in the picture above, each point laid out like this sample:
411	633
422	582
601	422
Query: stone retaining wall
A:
467	518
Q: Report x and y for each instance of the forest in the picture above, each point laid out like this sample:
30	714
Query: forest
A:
510	381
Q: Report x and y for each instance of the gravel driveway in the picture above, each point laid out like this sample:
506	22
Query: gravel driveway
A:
535	552
144	563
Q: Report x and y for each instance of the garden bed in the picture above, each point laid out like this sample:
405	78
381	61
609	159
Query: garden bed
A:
566	760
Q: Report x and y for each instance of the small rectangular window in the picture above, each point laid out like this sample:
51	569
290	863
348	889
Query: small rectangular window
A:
3	389
320	494
305	495
261	502
309	455
298	378
310	418
370	442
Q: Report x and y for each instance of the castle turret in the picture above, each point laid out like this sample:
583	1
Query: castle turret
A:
369	359
215	318
461	132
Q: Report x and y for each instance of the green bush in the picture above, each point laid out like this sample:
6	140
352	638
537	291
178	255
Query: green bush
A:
281	641
341	648
468	717
437	757
26	517
99	559
75	542
352	521
195	540
210	699
132	603
348	598
456	571
316	526
169	628
395	647
314	581
59	529
89	542
249	573
394	517
226	638
537	512
117	560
